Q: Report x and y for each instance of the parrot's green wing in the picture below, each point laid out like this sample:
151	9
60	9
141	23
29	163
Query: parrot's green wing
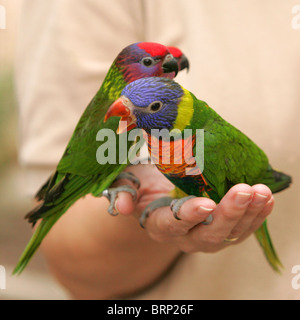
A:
80	155
230	158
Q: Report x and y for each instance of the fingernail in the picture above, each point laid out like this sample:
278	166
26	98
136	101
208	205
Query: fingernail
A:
259	199
206	209
271	200
242	198
261	195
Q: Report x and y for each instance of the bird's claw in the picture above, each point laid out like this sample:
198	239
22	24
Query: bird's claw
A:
159	203
176	205
129	176
112	193
208	220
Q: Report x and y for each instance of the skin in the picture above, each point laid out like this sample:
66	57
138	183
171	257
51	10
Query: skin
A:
97	256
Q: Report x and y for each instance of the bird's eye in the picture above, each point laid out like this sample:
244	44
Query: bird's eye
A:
147	62
155	106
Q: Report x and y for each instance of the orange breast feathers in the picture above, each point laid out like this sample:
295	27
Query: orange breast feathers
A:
173	157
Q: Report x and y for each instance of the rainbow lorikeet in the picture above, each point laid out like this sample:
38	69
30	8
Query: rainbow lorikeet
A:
78	172
229	158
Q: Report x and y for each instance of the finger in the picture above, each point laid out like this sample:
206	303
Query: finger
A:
125	203
262	194
162	224
226	216
261	217
196	210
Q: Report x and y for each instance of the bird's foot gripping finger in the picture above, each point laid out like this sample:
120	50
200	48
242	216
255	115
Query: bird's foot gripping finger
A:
159	203
176	204
129	176
112	193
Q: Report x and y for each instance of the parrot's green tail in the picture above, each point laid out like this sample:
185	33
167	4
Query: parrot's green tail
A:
57	201
276	181
264	239
35	241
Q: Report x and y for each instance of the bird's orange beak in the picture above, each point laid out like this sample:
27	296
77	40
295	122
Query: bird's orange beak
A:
120	109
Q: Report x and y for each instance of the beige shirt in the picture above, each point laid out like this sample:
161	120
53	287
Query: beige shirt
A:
245	63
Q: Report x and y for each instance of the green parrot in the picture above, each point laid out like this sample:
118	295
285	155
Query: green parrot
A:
78	173
220	155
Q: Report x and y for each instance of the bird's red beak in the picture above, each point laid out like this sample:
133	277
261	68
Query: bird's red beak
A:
119	109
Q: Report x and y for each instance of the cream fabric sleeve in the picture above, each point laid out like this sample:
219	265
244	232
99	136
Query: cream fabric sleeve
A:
65	49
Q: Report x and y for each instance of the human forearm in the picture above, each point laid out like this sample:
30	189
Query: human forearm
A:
96	256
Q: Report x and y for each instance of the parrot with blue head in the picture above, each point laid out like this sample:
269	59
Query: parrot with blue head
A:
229	158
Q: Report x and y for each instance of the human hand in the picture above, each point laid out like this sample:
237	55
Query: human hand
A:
242	211
96	256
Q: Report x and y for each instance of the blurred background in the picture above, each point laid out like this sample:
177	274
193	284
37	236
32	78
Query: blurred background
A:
15	231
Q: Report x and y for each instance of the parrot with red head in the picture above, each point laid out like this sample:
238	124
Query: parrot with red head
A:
78	173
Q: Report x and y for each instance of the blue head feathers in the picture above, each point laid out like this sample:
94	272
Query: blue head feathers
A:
155	102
